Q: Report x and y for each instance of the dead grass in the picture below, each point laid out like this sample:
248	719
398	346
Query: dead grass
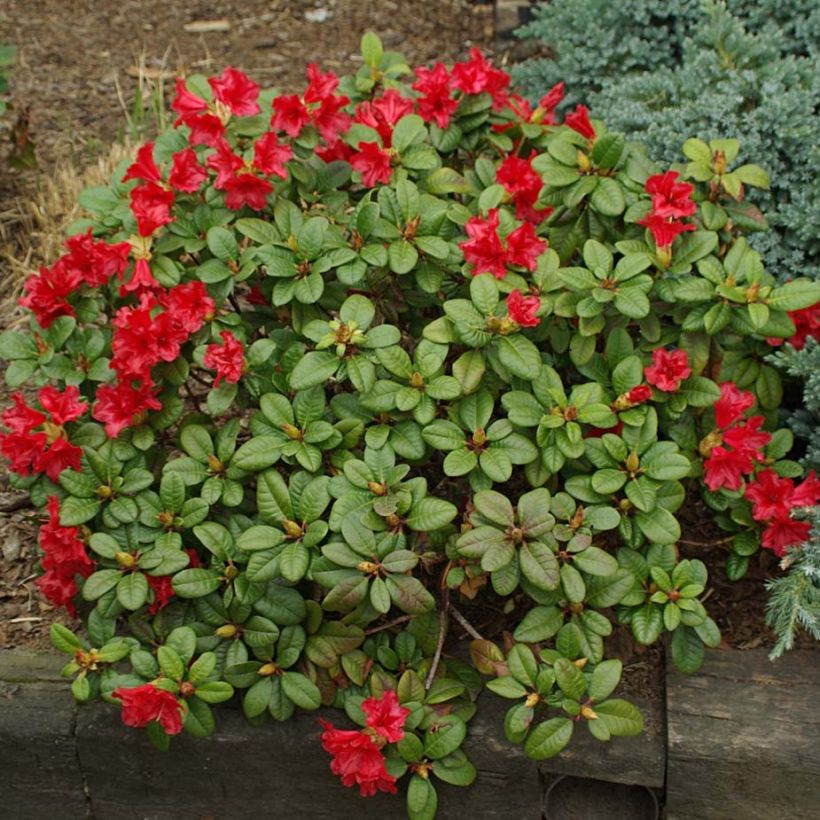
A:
33	228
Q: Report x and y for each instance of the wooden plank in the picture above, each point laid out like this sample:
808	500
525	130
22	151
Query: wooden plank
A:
40	773
743	737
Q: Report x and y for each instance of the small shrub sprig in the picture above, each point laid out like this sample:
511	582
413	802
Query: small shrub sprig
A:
321	370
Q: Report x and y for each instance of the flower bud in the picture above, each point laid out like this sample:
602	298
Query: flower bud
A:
226	631
588	714
376	488
186	689
633	462
292	432
292	529
417	380
125	559
533	699
266	670
582	160
231	572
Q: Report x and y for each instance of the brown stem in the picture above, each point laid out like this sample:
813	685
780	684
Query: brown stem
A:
471	630
442	634
707	543
374	629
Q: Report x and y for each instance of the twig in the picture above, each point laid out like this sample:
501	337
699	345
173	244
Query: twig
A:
442	634
706	543
465	623
373	630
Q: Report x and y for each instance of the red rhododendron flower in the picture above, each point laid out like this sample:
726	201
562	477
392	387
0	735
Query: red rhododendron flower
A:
143	704
578	121
151	205
185	102
639	394
62	406
141	281
807	494
665	231
373	163
357	759
598	432
270	156
123	405
163	590
435	103
550	101
669	197
725	468
228	358
523	309
237	91
187	175
144	168
289	115
329	120
225	162
477	75
94	262
732	404
807	325
524	184
770	495
668	369
524	247
321	85
785	532
47	292
484	250
189	304
386	716
134	344
206	129
247	189
383	113
748	437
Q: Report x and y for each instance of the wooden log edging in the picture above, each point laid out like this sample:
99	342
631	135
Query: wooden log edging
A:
741	743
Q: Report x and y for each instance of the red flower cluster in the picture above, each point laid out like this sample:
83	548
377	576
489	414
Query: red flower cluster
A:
228	359
670	201
143	704
37	441
319	107
668	369
524	184
163	589
65	557
146	334
87	262
773	498
477	76
488	253
235	94
726	465
373	162
523	309
435	103
357	755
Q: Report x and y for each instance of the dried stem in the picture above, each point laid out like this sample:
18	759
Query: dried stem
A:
374	629
471	630
707	543
442	634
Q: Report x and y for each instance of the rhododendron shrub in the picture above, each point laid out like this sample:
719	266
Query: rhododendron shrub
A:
323	370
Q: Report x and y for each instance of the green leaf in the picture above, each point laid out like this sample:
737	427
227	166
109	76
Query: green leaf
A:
257	454
539	624
222	244
406	130
659	526
444	736
314	368
402	256
301	690
539	565
132	590
548	738
409	594
569	678
431	514
372	51
422	800
520	356
687	650
605	678
608	197
622	718
195	583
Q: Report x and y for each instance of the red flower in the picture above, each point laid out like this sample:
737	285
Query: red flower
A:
383	113
144	168
785	532
270	156
123	405
806	324
47	292
143	704
598	432
187	175
62	407
524	184
228	359
732	404
808	493
185	103
386	716
95	262
550	101
289	115
435	104
725	468
163	592
770	495
225	163
141	281
320	85
578	121
522	309
329	120
670	198
665	231
357	759
484	250
134	343
206	129
189	304
524	247
247	189
151	205
748	437
373	163
60	590
237	91
668	369
477	75
639	394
